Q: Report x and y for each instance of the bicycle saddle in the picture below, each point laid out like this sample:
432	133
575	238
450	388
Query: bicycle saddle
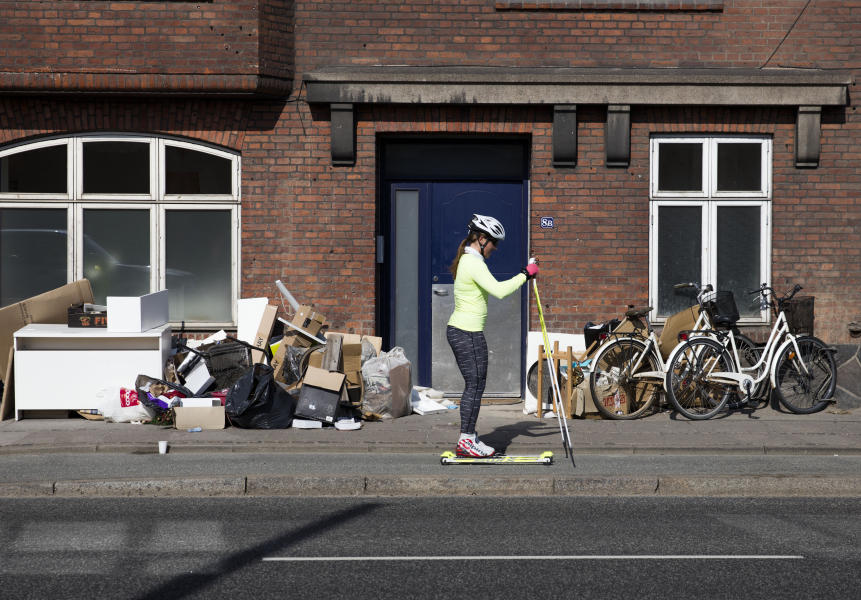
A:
638	312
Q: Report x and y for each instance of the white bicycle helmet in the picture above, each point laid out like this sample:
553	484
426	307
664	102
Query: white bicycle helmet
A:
488	226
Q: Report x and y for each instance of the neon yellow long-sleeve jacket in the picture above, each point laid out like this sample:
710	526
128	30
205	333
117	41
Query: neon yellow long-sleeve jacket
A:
472	284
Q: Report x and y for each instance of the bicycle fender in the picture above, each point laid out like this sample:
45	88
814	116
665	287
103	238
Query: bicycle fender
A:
773	375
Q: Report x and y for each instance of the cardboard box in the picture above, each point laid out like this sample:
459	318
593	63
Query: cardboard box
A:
304	328
320	395
199	402
50	307
209	417
609	402
135	314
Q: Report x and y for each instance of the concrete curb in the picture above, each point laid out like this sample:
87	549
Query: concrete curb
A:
435	486
197	447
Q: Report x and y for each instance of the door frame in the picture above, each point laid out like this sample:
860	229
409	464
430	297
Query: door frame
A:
384	243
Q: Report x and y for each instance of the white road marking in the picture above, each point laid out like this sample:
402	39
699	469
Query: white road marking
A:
534	557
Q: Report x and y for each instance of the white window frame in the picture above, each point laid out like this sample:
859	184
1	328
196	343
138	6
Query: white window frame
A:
75	202
70	178
163	209
153	228
710	200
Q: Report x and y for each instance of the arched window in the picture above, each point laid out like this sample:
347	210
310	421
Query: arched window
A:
132	214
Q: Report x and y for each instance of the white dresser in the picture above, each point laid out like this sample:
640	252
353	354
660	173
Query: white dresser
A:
64	368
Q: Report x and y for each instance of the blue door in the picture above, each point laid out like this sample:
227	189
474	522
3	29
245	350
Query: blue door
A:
427	223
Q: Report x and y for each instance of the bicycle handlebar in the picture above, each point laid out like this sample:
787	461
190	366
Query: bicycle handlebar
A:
764	289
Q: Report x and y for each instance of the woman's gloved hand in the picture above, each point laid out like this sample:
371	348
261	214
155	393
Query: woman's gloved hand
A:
531	270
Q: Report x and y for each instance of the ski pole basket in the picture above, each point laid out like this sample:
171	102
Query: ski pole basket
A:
721	308
799	314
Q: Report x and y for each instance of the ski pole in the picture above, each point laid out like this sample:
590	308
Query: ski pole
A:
554	384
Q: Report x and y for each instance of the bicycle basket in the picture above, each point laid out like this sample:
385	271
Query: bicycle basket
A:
799	314
721	308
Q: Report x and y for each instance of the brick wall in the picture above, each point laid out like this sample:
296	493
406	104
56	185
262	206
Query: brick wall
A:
94	45
418	32
312	224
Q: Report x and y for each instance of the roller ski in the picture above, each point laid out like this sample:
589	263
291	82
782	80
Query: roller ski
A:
450	458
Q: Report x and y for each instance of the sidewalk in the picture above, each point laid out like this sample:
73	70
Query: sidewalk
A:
398	446
503	426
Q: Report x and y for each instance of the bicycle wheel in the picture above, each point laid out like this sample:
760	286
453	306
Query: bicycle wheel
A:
811	391
690	388
748	354
618	394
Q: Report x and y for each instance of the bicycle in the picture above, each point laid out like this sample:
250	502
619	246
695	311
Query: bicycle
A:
799	369
629	369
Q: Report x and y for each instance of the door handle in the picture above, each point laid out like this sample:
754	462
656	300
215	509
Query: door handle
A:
440	292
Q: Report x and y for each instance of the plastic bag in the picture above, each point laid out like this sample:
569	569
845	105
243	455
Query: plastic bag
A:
387	385
117	407
256	402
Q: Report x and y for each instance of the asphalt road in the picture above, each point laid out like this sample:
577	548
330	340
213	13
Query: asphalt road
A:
430	548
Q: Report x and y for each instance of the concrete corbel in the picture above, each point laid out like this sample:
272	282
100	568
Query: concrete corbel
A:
807	136
343	142
565	135
617	136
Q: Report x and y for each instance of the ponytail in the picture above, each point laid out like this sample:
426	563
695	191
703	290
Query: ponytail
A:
466	242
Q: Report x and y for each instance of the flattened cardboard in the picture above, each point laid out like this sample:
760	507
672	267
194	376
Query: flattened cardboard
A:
264	332
7	403
50	307
209	417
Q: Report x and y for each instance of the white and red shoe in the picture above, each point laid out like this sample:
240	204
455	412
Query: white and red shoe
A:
472	448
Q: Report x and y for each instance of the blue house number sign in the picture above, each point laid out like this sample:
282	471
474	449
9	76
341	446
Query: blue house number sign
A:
546	222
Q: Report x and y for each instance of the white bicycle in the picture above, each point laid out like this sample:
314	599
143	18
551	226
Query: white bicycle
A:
708	367
629	369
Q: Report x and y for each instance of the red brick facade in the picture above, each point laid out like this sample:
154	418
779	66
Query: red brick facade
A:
312	224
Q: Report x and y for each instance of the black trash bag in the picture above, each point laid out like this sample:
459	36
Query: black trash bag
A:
256	402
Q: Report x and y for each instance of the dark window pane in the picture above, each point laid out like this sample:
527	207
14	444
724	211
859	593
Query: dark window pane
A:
39	171
198	257
33	252
116	252
679	255
739	167
738	254
680	167
191	172
116	168
460	159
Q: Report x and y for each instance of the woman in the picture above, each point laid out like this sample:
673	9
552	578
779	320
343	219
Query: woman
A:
465	331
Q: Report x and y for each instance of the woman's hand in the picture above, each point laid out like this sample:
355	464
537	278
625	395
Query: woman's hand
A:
531	270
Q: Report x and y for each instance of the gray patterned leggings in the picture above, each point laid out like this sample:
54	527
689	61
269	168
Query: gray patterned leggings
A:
470	352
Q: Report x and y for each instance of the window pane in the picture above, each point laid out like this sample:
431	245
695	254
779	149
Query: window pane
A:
739	167
116	168
32	252
679	255
198	259
680	167
738	255
40	171
117	252
191	172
